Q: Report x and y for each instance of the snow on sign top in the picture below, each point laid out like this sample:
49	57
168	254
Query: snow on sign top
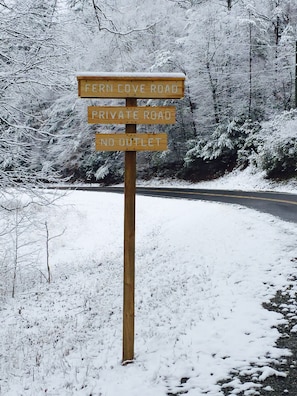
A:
131	85
130	75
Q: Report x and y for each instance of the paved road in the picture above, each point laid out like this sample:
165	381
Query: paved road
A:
282	205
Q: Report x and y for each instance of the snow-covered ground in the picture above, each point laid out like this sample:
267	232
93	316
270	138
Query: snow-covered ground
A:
246	180
203	271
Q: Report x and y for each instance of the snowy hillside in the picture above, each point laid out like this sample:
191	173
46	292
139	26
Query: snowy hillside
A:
203	271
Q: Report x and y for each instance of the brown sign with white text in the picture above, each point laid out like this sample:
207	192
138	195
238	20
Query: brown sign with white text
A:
131	141
131	115
126	87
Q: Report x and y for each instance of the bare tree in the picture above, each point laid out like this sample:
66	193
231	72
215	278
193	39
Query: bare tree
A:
49	238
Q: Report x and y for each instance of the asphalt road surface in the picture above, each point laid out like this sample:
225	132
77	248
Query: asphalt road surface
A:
282	205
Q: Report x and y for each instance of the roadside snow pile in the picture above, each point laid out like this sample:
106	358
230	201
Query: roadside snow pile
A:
202	273
249	179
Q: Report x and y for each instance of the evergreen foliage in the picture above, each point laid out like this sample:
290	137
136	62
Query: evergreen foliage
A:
278	152
228	147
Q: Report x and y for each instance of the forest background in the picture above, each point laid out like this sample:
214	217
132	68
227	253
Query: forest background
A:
239	106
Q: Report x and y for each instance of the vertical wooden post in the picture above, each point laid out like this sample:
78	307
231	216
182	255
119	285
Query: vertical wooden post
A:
129	247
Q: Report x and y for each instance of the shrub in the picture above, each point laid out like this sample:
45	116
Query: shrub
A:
278	154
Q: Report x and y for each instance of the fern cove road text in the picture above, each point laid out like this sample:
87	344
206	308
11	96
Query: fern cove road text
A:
131	88
135	88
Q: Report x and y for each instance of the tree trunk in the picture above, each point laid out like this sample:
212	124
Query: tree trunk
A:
213	87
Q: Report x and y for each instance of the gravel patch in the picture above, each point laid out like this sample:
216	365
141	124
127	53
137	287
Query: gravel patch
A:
281	377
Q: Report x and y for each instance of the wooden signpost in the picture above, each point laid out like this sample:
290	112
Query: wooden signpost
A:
130	86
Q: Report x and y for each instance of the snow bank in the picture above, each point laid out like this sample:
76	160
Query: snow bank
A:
202	273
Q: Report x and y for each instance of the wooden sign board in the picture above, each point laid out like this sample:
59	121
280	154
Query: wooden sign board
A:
131	142
131	85
131	115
